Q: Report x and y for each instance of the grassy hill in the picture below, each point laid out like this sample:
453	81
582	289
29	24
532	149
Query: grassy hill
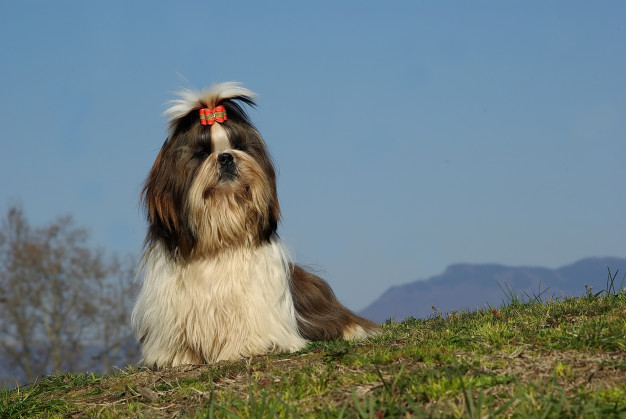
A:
529	357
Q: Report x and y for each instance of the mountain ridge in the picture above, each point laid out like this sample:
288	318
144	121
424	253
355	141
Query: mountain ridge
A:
471	286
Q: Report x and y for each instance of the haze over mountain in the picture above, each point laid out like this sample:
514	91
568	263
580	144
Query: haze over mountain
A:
473	286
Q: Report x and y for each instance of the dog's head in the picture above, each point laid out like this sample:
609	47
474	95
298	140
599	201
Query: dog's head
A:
213	185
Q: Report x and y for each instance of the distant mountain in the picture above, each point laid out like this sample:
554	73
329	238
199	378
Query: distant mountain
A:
473	286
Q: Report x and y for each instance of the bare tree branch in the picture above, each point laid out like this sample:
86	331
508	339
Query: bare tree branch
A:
62	301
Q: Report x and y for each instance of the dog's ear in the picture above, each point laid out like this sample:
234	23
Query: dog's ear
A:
157	198
162	199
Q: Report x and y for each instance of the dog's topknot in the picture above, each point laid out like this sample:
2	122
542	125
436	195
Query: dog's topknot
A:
209	98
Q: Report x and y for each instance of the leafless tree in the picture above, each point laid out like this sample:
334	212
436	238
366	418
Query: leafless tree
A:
116	298
61	300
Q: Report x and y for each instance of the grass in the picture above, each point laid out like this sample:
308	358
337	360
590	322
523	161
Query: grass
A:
529	357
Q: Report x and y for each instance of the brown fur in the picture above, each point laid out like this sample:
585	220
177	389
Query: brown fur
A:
320	315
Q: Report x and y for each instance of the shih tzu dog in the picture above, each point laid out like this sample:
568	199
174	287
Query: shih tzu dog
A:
217	281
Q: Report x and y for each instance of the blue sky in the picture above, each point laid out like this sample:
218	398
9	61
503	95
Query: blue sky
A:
407	135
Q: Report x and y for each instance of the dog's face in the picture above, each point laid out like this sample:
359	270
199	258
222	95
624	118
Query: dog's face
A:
212	187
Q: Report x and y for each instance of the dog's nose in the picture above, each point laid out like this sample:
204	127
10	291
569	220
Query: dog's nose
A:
225	158
228	168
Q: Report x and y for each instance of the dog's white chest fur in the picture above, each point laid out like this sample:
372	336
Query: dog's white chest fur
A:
236	304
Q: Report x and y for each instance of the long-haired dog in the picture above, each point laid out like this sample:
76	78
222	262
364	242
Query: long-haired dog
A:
217	281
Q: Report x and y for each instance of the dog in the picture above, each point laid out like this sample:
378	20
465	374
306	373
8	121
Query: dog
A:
218	283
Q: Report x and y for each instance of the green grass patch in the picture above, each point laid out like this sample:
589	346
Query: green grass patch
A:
528	357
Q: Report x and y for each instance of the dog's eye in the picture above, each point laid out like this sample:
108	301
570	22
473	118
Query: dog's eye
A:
201	154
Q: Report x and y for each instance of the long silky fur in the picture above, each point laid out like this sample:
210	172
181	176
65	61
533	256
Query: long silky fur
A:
217	281
234	305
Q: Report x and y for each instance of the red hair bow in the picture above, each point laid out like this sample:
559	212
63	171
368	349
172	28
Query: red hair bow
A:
209	116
